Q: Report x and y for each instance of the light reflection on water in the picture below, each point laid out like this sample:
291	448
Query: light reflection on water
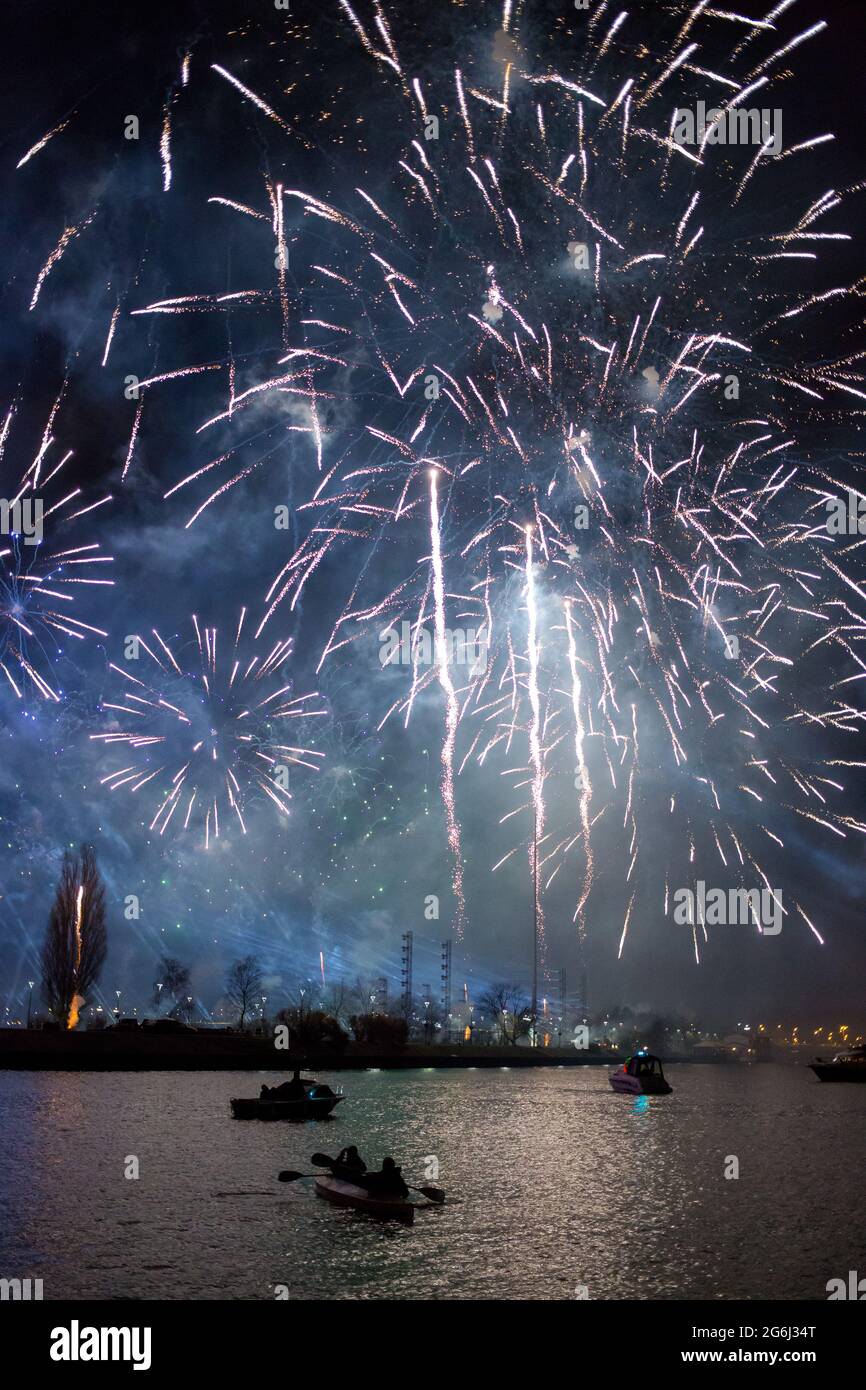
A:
557	1182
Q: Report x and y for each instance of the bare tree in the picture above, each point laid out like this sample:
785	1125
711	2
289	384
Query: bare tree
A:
76	941
429	1016
383	1030
243	982
173	984
185	1008
509	1007
311	1027
337	1001
363	996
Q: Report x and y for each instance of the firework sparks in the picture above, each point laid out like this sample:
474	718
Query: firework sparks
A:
452	715
541	307
42	570
204	731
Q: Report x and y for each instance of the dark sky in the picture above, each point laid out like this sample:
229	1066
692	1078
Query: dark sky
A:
365	844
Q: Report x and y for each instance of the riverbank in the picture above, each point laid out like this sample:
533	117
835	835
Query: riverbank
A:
23	1049
32	1050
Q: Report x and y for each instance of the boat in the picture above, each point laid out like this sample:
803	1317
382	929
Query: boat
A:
640	1075
317	1104
845	1066
346	1194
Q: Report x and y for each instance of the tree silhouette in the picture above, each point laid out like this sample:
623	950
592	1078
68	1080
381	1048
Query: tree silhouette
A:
509	1009
173	984
243	982
76	940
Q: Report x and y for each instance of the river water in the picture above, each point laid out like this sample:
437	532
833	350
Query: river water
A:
557	1184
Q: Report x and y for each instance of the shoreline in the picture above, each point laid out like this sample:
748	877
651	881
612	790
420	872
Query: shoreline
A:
22	1050
34	1050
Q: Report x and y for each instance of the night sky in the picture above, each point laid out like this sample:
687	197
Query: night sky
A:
367	839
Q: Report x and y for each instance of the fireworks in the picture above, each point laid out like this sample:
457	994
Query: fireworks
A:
45	563
585	405
204	731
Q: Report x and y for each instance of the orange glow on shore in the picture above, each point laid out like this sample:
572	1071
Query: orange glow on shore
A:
77	1001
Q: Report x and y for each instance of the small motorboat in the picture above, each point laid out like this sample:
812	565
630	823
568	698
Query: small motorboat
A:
640	1075
346	1194
317	1104
845	1066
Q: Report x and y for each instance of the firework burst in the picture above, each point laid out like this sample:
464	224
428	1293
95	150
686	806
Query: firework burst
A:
45	562
204	731
588	363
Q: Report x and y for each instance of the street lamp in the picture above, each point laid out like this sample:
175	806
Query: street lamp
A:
29	1000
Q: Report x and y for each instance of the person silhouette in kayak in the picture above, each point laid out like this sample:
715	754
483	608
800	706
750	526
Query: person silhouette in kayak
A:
350	1162
387	1183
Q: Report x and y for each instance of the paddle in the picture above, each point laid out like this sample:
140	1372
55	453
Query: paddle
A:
289	1175
433	1194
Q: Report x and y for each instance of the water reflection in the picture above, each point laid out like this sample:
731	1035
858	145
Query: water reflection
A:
546	1167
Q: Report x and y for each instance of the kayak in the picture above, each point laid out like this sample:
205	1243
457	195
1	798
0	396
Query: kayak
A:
346	1194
